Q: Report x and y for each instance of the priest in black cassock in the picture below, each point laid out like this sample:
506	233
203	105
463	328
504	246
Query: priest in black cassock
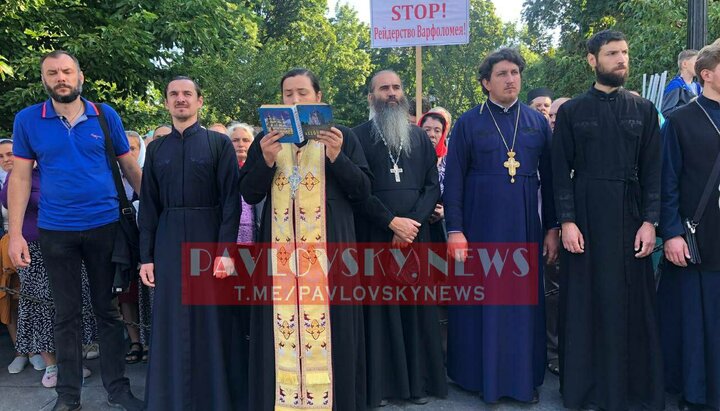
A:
689	292
338	164
404	352
189	194
606	168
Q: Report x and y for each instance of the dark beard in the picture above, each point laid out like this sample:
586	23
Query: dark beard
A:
74	94
392	121
609	78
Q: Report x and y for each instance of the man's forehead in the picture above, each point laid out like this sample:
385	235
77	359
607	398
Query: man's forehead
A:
60	62
503	65
181	85
614	46
387	79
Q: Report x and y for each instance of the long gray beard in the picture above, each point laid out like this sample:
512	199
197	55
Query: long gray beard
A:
392	121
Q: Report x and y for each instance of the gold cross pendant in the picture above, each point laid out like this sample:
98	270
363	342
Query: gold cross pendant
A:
512	165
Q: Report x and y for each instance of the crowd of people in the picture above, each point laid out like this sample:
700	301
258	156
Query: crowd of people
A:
593	181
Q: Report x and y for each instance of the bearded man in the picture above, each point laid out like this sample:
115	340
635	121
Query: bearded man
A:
404	353
77	221
606	171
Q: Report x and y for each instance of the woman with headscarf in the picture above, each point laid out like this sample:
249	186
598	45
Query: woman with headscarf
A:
436	124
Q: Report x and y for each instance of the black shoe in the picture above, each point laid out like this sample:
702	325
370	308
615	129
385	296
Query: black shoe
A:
384	403
420	400
126	401
61	405
688	406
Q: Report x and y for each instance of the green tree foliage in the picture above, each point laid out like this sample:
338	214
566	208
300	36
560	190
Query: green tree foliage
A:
450	72
237	50
656	31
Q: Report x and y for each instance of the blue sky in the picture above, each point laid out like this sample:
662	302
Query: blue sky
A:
507	10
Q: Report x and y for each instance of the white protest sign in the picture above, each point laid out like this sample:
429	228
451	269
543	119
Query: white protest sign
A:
403	23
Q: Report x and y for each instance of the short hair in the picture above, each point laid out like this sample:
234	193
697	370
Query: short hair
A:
198	90
243	126
595	43
503	54
159	127
435	116
708	59
425	106
300	71
56	54
685	55
371	84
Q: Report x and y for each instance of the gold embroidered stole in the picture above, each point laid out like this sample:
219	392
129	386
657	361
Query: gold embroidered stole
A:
303	360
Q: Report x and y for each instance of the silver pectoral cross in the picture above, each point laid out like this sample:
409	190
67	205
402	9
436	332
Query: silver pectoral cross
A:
396	170
294	180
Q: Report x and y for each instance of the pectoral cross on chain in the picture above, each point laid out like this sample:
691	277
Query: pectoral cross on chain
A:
396	170
512	165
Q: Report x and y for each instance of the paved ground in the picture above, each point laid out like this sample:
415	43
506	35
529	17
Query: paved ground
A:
24	392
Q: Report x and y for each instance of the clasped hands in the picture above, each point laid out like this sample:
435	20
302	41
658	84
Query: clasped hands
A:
405	230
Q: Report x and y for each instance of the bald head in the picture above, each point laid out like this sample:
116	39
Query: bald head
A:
554	109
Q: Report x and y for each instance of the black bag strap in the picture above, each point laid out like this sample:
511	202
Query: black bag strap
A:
214	150
710	185
125	206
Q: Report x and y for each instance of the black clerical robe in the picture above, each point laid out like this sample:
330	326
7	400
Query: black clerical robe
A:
404	350
689	297
189	194
606	168
347	181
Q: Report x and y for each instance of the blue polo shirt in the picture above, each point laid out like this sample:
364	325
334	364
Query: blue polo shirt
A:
76	186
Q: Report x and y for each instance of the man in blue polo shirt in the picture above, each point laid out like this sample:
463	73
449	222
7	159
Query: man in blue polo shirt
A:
78	217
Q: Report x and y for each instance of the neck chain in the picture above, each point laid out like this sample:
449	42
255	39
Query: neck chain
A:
74	117
395	169
511	164
708	116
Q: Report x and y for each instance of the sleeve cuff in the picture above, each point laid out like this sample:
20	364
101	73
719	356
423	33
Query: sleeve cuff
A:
23	158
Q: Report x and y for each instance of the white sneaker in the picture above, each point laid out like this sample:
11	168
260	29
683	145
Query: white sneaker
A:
38	362
49	380
18	364
86	372
91	351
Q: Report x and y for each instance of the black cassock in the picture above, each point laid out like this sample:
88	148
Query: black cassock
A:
609	348
347	181
189	194
403	343
689	297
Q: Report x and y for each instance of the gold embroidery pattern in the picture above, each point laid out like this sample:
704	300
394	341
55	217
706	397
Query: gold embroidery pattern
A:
310	181
302	333
281	181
